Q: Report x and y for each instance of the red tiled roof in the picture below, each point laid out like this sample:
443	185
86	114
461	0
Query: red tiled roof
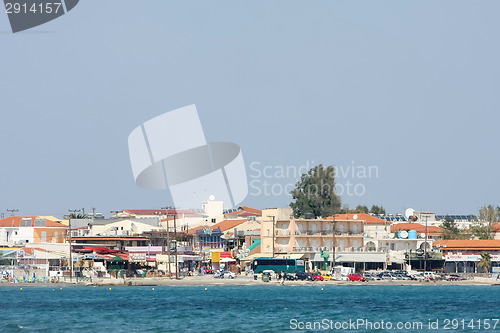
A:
496	227
417	227
478	244
15	221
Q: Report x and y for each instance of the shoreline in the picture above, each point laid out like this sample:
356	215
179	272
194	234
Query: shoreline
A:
204	281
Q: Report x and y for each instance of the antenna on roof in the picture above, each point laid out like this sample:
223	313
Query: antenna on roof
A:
12	211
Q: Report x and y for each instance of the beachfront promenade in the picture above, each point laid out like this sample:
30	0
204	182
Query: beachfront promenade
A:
243	280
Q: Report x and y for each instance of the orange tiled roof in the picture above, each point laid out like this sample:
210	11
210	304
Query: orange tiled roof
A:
477	244
223	225
15	221
159	212
417	227
247	211
496	227
111	238
367	218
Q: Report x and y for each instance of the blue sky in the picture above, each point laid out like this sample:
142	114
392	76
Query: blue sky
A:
408	87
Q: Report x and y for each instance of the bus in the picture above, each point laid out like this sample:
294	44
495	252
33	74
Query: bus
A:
278	265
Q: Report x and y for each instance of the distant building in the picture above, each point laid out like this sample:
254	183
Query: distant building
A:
21	230
462	256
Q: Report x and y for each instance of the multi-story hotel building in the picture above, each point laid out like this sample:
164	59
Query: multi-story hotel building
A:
282	233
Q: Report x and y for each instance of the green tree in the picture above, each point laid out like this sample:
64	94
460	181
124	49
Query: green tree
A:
483	228
315	193
360	209
78	216
451	229
377	210
485	262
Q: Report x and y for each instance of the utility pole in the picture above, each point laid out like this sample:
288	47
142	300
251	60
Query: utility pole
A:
425	245
70	244
168	244
12	211
175	237
273	234
333	242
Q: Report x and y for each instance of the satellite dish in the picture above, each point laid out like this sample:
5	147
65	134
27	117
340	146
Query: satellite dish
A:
211	197
409	212
404	234
391	235
355	217
422	235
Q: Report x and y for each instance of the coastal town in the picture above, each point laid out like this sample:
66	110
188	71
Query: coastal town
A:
243	245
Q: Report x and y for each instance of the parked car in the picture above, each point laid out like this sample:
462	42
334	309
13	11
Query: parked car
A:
225	274
228	274
385	276
370	277
418	277
290	277
326	276
452	277
304	276
356	277
317	276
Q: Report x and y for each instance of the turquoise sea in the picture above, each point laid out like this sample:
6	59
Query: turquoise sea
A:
270	308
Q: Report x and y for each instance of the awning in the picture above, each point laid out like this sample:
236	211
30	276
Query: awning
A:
254	256
189	258
227	260
290	256
365	257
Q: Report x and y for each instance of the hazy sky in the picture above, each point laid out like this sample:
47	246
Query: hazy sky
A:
406	89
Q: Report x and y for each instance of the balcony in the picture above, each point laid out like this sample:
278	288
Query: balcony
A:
282	233
310	249
315	249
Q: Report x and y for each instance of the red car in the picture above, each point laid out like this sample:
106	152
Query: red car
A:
356	277
317	276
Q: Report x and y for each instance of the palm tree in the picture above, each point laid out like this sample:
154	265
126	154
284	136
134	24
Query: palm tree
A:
485	262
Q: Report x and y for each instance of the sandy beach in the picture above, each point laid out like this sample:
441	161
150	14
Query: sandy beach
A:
244	280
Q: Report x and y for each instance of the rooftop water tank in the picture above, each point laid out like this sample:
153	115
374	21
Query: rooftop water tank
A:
412	234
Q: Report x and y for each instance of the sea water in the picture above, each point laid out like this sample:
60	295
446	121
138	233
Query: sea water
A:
270	308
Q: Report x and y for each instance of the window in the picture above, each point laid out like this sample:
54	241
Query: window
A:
55	237
44	237
213	220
